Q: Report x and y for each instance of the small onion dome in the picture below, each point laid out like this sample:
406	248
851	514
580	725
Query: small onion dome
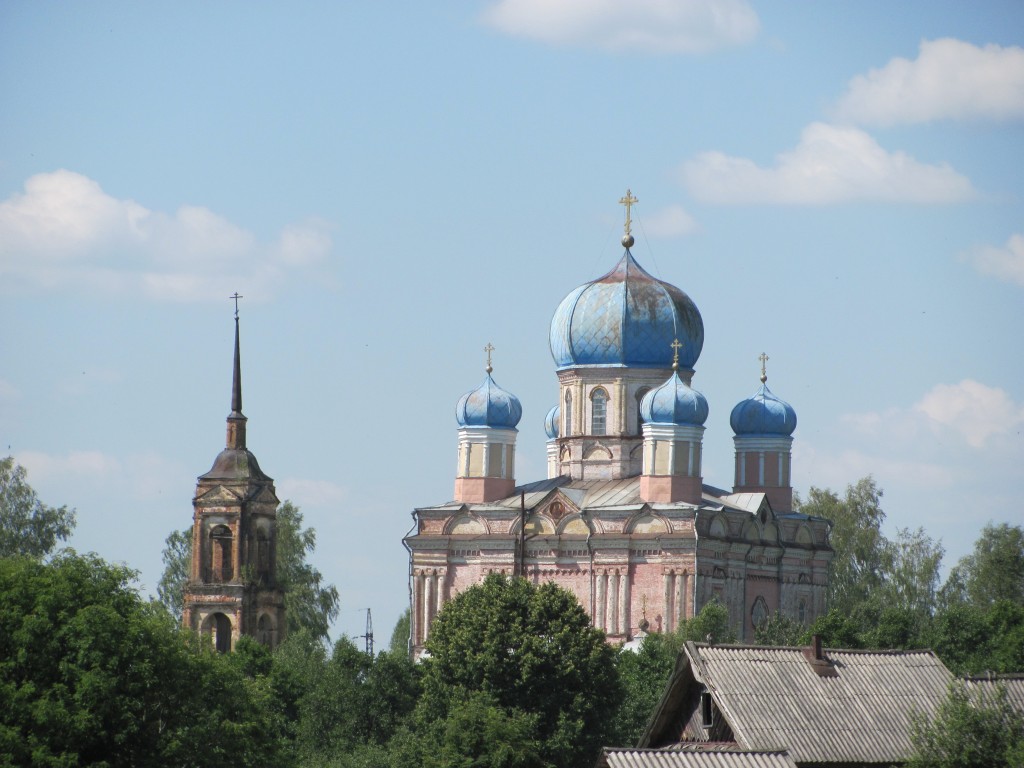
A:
763	414
551	422
674	402
625	319
488	406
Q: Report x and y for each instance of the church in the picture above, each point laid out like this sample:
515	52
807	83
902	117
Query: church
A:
623	519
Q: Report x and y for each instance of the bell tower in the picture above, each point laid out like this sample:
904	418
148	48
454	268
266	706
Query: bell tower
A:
232	588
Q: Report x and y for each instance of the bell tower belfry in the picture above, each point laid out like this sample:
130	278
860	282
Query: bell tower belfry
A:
232	588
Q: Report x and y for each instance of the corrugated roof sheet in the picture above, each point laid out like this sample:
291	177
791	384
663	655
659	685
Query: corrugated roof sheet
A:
1014	685
713	757
773	697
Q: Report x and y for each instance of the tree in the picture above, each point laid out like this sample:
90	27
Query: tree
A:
994	571
863	556
92	674
914	574
971	728
177	557
355	700
27	526
400	634
643	674
779	630
480	733
531	649
310	604
710	625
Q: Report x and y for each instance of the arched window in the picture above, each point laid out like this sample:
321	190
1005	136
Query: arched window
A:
568	414
220	561
759	613
639	416
265	631
218	627
598	412
262	554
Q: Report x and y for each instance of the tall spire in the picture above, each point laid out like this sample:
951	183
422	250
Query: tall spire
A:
236	378
236	420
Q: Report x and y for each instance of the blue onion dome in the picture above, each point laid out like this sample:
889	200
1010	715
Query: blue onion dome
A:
763	415
674	402
551	422
489	406
626	319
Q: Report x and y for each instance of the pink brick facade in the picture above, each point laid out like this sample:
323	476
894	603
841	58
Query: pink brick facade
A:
626	560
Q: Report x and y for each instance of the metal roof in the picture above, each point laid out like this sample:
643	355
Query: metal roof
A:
605	494
859	711
689	757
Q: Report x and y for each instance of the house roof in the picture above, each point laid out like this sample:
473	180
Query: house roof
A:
847	706
695	756
1013	684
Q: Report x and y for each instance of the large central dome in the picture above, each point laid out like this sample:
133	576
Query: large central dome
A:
626	319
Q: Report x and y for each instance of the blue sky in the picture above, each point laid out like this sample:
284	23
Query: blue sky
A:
392	186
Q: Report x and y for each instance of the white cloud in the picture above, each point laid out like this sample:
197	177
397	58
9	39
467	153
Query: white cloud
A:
826	469
43	467
1006	263
831	164
315	493
969	410
973	410
949	80
64	232
649	26
672	221
141	476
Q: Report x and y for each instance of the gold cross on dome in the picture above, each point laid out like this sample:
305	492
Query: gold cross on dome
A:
676	346
628	201
488	349
236	297
764	359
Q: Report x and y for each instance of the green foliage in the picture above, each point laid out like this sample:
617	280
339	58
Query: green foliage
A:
863	556
354	700
974	640
710	625
643	674
993	572
310	605
91	674
177	559
913	579
971	729
480	733
27	526
532	651
400	634
779	630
